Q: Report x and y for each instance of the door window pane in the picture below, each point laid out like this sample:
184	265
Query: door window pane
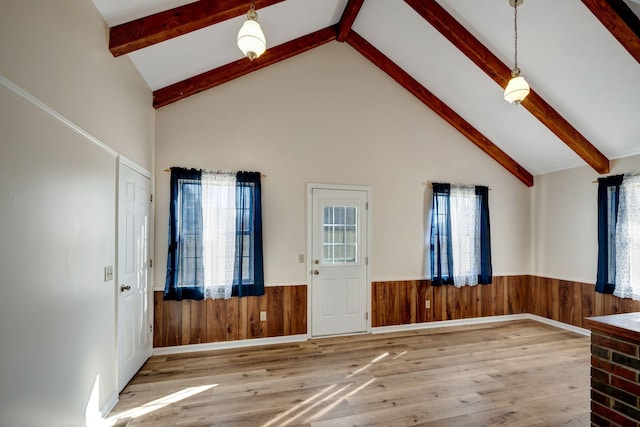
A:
340	235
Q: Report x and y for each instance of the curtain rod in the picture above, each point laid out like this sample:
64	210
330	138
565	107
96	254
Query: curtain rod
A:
261	175
430	185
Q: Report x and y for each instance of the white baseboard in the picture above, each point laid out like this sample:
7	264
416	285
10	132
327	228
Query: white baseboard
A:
108	407
562	325
161	351
480	320
445	323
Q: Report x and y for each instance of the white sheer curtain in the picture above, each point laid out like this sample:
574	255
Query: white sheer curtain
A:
465	234
628	239
218	232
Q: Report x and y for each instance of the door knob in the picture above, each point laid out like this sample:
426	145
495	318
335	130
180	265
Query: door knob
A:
316	272
124	288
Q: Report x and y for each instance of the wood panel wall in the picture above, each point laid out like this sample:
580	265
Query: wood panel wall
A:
571	302
404	302
196	322
392	303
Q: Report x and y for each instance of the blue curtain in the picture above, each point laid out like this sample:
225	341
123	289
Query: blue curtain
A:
185	275
441	250
185	272
608	200
441	258
486	270
248	267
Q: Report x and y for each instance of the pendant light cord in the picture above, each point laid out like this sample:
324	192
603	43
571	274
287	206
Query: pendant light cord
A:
515	32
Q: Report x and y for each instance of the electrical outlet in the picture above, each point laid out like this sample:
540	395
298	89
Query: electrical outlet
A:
301	258
263	316
428	304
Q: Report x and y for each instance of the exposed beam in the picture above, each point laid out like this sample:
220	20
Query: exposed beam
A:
458	35
241	67
156	28
621	22
439	107
348	18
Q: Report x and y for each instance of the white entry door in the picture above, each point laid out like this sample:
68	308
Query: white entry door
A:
134	294
339	262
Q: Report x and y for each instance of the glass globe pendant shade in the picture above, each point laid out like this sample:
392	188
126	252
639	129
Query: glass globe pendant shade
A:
251	40
517	88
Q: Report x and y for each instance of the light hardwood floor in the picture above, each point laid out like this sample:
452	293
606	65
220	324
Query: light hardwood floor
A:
522	373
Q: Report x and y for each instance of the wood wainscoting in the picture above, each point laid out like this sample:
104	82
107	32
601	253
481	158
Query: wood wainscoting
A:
572	302
404	302
392	303
196	322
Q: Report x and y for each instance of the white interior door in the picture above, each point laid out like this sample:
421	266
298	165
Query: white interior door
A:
339	262
134	295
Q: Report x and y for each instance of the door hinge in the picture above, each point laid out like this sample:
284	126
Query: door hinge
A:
150	328
366	260
366	205
150	263
151	197
366	315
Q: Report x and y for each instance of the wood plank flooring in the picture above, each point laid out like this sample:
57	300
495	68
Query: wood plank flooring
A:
519	373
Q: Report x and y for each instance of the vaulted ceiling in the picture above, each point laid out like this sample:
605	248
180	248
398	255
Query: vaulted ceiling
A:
581	58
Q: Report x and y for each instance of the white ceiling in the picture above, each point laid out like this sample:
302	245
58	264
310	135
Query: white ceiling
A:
565	53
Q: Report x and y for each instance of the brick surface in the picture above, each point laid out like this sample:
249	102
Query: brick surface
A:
615	393
603	399
613	368
601	352
611	415
598	421
615	381
600	375
631	362
615	344
631	387
631	412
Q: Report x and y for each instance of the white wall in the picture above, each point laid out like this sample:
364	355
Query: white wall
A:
58	52
58	210
565	226
330	116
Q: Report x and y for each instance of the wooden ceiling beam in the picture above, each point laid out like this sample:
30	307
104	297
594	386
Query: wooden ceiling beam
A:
348	18
458	35
439	107
156	28
241	67
621	22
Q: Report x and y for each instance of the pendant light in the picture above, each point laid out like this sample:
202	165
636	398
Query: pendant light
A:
518	88
251	40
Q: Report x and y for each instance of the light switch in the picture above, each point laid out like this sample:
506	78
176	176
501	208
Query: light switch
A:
263	316
108	273
301	258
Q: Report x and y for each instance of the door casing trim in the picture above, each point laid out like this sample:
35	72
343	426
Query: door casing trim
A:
309	237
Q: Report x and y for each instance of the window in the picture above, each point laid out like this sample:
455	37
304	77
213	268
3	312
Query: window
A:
608	198
215	235
460	243
340	234
619	236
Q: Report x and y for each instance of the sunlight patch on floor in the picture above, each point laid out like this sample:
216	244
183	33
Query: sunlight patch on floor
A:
376	360
326	410
158	404
290	415
299	405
